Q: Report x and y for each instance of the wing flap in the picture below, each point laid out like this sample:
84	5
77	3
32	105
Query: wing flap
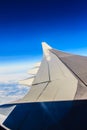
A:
37	65
27	82
59	90
33	71
43	73
34	93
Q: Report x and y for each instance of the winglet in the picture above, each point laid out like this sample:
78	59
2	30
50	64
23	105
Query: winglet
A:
46	48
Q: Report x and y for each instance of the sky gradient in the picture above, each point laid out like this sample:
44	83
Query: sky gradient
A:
24	24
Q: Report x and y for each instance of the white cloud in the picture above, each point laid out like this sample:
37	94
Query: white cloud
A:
11	91
15	67
12	77
10	74
15	71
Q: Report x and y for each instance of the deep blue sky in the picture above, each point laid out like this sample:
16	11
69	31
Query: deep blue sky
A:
24	24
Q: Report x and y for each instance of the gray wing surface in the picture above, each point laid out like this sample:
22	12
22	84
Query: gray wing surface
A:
78	66
53	80
62	75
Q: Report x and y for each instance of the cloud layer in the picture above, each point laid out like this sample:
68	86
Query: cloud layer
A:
11	92
10	74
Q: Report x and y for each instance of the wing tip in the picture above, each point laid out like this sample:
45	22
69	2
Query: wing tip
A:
46	48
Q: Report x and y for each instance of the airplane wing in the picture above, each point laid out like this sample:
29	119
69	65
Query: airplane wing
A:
59	77
53	80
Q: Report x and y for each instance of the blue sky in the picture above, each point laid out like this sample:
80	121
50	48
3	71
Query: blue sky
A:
24	24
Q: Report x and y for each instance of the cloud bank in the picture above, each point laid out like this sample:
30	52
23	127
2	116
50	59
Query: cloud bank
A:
11	91
10	74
